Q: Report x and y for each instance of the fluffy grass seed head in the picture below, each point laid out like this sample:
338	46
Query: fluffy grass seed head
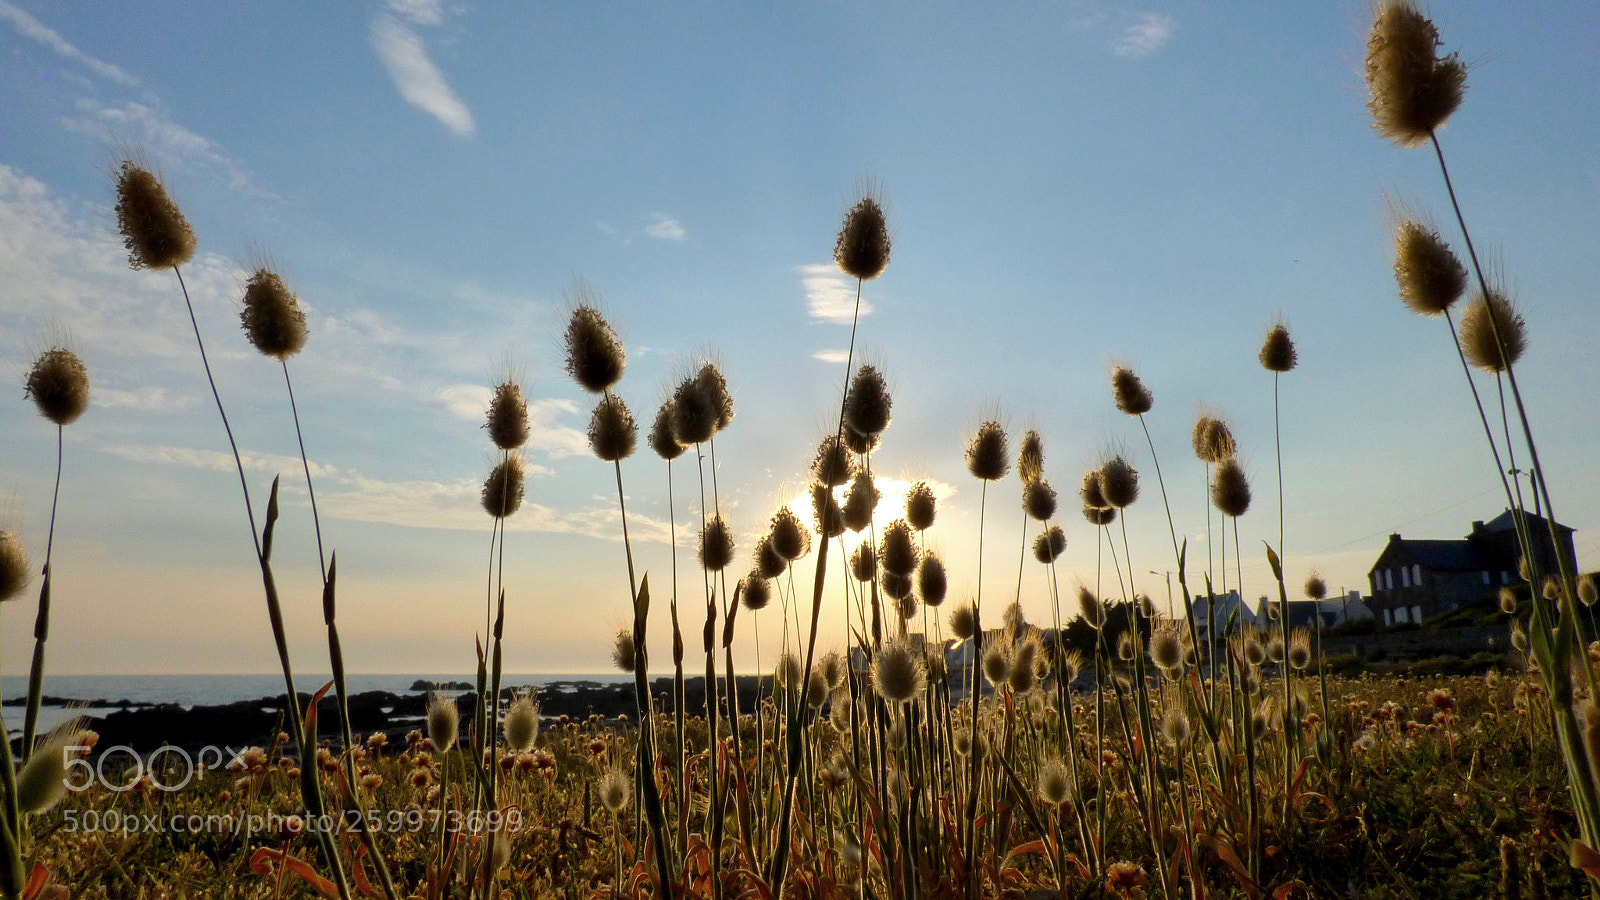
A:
921	506
1054	782
663	439
787	672
897	550
612	431
833	670
1412	89
507	422
987	457
522	724
1275	648
1230	489
1519	638
502	490
154	230
1012	620
769	563
1090	607
1119	483
867	406
444	722
1039	499
996	663
897	587
1175	723
1125	649
616	789
1025	659
695	412
858	443
42	781
1050	544
1277	350
715	387
830	518
1166	647
595	356
272	317
1253	653
716	545
860	501
1099	515
790	538
864	562
964	620
1213	441
1493	333
1299	648
933	583
832	465
1316	586
1508	601
1430	277
1030	457
862	248
13	565
58	383
757	592
623	653
1586	590
1130	394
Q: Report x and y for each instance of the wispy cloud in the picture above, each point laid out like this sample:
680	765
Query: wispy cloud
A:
831	356
421	12
830	296
664	227
30	27
421	84
153	128
1144	36
145	399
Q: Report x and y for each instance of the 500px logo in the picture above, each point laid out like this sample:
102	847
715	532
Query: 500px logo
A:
161	768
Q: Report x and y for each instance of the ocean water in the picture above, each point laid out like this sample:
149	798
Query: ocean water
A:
213	690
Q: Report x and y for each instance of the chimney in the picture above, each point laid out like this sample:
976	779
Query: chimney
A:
1477	526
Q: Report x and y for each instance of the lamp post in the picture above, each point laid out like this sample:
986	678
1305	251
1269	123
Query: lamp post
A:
1168	576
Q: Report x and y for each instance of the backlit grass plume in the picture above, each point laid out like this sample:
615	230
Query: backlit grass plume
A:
153	228
1430	277
595	355
58	385
612	431
867	406
1130	394
502	490
862	248
13	565
1493	333
507	421
1412	89
272	317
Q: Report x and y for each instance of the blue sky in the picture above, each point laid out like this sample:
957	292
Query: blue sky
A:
1069	184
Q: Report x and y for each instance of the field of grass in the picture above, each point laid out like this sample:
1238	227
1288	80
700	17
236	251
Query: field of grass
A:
1248	767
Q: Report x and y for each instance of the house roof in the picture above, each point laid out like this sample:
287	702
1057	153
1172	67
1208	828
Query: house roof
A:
1436	555
1505	522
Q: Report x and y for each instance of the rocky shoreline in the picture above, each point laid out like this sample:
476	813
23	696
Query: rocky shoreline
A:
143	727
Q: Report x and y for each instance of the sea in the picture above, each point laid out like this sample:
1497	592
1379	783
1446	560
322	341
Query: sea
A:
215	690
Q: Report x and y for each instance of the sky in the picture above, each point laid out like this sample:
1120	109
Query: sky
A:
1070	186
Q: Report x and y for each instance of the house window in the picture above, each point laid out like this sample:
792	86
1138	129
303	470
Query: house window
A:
1388	579
1416	614
1400	615
1405	577
1416	575
1486	578
1505	577
1386	622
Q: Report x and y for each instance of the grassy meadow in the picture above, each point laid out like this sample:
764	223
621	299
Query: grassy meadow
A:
1114	751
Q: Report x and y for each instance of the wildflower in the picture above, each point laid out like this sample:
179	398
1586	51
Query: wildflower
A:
1124	877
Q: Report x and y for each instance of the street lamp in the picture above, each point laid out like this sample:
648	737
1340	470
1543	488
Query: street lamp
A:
1168	576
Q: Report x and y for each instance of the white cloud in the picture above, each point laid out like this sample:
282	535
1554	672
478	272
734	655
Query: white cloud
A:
150	127
146	399
830	295
421	83
1145	36
30	27
421	12
666	228
468	402
831	356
